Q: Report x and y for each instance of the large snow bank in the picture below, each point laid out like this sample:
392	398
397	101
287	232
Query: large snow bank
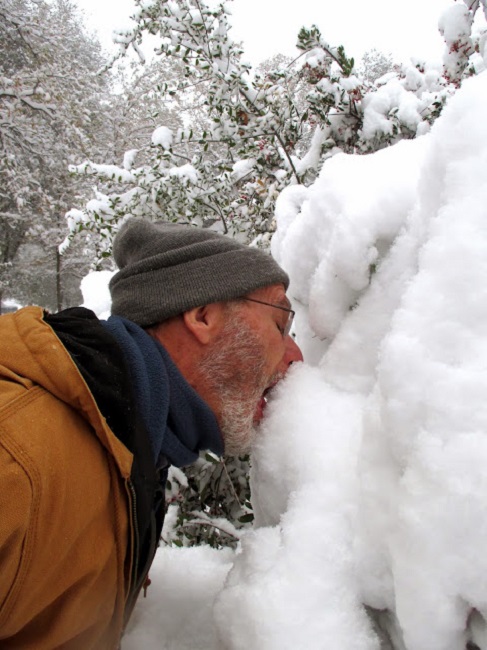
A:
370	476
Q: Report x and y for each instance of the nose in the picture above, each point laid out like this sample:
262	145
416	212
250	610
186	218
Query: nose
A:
292	352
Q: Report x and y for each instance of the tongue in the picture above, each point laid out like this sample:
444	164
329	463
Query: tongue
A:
259	409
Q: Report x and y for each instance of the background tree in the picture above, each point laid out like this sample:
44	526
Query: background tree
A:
51	104
375	65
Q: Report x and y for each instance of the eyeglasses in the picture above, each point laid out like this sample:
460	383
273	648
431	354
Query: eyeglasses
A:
287	327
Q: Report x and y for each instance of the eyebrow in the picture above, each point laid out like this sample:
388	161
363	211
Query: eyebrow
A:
285	302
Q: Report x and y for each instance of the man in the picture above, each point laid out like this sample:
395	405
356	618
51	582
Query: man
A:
92	413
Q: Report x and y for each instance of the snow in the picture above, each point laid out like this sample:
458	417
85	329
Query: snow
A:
129	158
312	156
163	137
402	100
454	22
177	611
242	167
410	339
455	26
96	295
275	596
350	229
186	171
108	171
369	479
9	304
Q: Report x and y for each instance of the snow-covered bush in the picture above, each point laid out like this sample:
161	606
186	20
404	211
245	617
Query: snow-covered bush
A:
208	503
368	481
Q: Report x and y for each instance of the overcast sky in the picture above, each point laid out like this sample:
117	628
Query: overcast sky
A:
268	27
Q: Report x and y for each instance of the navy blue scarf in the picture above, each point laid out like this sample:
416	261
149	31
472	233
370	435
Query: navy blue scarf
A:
179	422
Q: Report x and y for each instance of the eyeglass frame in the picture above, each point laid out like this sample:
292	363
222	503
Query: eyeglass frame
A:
287	329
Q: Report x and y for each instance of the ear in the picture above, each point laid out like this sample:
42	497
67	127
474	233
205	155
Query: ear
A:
205	322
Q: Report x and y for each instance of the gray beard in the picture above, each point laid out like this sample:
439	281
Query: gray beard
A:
234	369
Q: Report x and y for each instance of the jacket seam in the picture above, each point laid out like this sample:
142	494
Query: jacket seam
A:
22	336
23	459
123	578
28	396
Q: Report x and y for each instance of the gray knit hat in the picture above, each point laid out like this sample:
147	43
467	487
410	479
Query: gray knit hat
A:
167	269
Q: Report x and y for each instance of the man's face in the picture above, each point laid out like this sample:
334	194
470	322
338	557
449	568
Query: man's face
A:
249	356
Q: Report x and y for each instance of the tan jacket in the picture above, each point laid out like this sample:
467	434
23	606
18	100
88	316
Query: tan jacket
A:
64	527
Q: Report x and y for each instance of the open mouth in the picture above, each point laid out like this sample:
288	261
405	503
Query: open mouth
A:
261	404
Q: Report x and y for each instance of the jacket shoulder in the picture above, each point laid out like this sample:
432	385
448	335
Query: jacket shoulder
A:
35	356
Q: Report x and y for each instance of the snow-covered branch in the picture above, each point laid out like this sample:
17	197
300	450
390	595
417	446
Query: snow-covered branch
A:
289	120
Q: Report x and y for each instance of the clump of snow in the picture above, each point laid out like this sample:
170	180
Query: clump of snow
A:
369	479
410	336
129	158
455	22
242	167
185	172
74	217
313	155
10	305
96	295
455	26
402	100
162	137
350	83
114	172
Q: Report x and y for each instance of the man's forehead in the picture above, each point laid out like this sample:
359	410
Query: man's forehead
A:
275	293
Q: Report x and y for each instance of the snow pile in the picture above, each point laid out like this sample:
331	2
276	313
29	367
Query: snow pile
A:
399	308
177	613
369	478
343	232
294	583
